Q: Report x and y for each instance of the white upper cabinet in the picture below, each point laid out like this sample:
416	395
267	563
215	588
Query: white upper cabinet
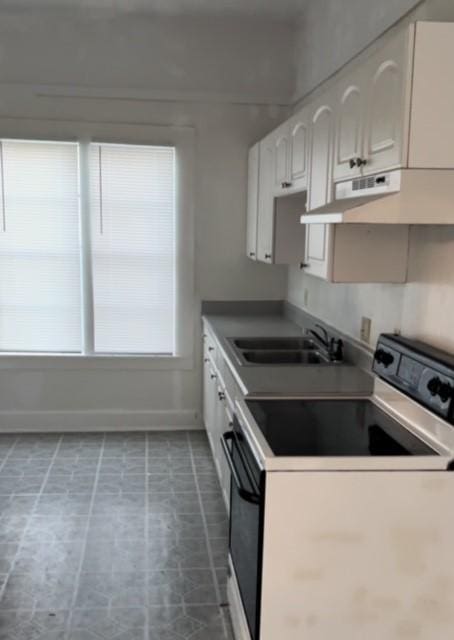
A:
349	107
320	189
387	107
252	202
355	252
281	141
317	259
265	218
299	147
291	154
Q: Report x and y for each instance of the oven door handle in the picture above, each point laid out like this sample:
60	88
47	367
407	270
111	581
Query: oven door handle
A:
247	495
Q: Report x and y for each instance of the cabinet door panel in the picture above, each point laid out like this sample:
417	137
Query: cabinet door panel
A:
266	202
349	142
281	161
320	183
252	202
299	133
318	250
209	402
388	104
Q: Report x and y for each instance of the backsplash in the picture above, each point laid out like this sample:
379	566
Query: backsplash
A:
423	308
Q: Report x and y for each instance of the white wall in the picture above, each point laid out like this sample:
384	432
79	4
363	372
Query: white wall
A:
424	307
248	58
83	395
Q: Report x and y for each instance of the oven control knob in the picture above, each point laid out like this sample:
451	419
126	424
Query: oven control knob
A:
384	357
439	388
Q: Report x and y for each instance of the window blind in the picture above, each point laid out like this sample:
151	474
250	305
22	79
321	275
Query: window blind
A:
40	299
133	248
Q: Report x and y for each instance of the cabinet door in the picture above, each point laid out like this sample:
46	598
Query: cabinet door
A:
281	142
209	401
252	202
349	109
299	138
265	228
321	152
226	424
388	104
318	258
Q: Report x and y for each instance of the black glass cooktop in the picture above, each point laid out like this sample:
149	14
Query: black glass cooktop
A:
333	428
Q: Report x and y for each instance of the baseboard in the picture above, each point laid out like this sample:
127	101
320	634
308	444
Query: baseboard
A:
67	421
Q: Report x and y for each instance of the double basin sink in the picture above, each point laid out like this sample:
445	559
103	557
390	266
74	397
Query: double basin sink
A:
272	351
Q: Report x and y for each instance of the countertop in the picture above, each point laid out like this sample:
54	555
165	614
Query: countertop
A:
283	380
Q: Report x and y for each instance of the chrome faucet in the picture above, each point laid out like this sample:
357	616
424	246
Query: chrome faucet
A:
333	346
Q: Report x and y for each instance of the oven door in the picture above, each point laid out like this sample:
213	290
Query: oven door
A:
246	522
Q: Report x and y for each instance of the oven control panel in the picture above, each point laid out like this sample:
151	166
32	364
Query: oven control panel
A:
419	370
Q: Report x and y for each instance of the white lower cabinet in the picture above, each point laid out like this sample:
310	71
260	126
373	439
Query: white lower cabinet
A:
217	417
357	252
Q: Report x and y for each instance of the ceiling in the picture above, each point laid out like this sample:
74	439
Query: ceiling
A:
286	10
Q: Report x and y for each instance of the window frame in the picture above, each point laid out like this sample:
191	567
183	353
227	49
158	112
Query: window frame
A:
183	140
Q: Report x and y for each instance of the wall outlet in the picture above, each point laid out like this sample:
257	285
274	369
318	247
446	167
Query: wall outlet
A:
365	329
305	297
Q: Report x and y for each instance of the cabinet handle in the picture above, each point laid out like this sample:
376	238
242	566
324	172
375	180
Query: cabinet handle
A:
268	256
213	376
357	162
286	185
252	254
210	348
304	265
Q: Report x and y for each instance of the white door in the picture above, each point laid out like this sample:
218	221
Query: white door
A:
349	108
281	140
252	202
265	228
388	104
318	258
299	144
321	152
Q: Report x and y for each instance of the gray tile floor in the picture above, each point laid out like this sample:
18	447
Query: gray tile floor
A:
111	536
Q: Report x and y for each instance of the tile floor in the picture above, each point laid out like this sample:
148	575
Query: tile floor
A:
119	536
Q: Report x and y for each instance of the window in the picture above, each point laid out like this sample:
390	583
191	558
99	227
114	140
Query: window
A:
133	252
40	300
121	247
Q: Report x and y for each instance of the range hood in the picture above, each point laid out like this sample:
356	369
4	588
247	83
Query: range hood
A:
402	196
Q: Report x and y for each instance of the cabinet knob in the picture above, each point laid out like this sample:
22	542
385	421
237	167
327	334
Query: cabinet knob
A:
221	395
286	185
213	376
268	256
252	254
210	348
206	359
304	265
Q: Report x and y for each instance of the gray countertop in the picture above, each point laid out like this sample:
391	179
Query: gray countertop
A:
283	380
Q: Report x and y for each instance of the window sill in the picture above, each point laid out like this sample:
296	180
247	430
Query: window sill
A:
34	362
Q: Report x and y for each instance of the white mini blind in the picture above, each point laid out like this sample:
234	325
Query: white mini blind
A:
133	248
40	299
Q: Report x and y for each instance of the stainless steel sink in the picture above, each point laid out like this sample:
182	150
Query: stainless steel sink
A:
274	343
301	356
292	350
